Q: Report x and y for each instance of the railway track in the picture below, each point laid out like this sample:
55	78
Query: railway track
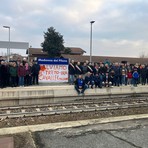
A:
67	108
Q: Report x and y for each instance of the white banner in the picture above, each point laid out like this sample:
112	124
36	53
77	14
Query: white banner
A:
50	72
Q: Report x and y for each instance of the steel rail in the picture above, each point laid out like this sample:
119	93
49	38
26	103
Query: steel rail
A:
31	111
83	102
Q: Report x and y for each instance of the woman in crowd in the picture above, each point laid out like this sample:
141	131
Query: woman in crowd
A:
21	74
27	76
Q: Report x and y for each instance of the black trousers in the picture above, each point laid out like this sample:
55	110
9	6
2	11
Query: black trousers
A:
82	89
27	80
36	79
143	80
3	82
13	81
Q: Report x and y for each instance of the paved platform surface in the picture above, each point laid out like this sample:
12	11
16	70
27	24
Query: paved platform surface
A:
115	132
126	134
6	142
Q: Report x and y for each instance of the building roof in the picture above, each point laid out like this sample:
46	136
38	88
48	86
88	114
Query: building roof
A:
35	51
76	50
98	59
39	51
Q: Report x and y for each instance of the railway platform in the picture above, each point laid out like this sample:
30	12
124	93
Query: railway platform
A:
128	131
33	95
114	122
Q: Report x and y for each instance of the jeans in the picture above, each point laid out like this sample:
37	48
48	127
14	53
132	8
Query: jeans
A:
71	79
116	80
21	81
135	82
123	79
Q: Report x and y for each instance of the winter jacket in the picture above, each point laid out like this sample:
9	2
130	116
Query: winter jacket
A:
79	69
143	72
35	69
135	75
129	75
21	71
89	79
117	70
72	69
80	82
13	71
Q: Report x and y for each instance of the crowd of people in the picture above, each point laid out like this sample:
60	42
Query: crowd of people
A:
82	75
106	74
16	73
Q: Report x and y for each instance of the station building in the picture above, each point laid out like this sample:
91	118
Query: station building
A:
77	54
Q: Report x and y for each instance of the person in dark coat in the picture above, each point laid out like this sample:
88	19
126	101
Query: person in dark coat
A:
143	73
107	80
84	68
96	68
3	74
30	75
7	66
13	74
35	73
112	74
80	85
28	72
89	80
102	71
117	74
97	81
90	68
79	70
72	72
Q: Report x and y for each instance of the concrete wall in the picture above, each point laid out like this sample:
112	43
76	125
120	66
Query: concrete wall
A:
56	94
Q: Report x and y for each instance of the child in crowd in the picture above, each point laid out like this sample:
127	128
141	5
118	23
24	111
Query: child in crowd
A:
129	77
135	77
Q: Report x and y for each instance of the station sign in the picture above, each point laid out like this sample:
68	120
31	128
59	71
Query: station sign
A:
53	70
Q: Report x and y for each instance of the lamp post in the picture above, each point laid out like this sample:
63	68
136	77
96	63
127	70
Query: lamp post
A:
90	60
8	50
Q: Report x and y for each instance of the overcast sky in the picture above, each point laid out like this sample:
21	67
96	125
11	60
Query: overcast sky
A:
120	28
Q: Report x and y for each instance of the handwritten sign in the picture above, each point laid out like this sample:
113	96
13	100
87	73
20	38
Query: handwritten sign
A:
53	70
